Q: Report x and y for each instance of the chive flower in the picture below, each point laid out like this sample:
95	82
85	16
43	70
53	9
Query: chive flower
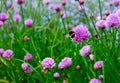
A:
28	57
28	22
3	17
81	34
48	63
85	51
65	63
7	54
94	80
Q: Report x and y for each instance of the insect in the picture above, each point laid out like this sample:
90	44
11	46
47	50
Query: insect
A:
72	34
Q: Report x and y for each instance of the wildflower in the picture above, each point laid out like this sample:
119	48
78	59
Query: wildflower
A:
28	57
78	67
112	20
81	34
20	2
100	24
116	2
3	17
63	2
65	63
98	65
94	80
61	13
24	66
9	4
85	51
1	51
26	38
46	2
17	18
56	75
64	81
7	54
28	22
1	23
48	63
81	2
28	70
57	8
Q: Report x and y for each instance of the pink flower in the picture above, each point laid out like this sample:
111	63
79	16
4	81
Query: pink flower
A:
81	34
116	2
20	2
63	2
85	51
46	2
3	17
98	65
56	8
9	4
28	57
100	24
65	63
28	22
17	18
112	20
56	75
24	66
94	80
48	63
7	54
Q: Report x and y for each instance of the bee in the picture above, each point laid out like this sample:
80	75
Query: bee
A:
72	34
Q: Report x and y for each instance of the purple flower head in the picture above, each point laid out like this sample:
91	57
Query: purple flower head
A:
3	17
28	70
28	22
112	20
94	80
17	18
48	63
46	2
1	23
24	66
85	51
81	34
7	54
1	51
20	2
9	4
56	75
57	8
116	2
100	24
98	65
28	57
65	63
